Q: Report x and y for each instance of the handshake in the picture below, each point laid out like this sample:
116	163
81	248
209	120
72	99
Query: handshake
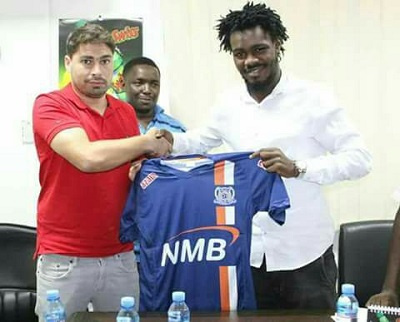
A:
160	143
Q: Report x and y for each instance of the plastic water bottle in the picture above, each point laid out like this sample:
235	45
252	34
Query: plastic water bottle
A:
127	312
55	311
347	305
178	311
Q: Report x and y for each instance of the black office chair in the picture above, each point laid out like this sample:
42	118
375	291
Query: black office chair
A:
363	254
17	273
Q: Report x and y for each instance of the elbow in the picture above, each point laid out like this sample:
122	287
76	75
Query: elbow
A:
364	164
368	168
368	162
90	164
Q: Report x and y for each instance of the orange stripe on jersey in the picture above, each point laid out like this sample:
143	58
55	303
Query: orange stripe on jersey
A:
219	179
221	218
224	288
219	173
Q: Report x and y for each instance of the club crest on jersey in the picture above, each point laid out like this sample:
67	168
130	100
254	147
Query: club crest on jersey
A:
148	180
224	196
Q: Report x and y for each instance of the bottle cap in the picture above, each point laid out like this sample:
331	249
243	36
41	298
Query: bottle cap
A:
348	288
178	296
53	294
127	302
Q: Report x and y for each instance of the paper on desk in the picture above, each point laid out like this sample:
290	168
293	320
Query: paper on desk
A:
361	316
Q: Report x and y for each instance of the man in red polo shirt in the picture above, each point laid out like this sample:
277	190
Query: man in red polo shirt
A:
86	140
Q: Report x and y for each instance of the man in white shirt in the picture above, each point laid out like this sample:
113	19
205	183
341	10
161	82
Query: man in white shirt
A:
300	132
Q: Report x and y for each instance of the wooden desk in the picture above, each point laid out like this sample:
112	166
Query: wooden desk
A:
256	316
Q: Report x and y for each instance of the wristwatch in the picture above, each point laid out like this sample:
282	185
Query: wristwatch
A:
300	167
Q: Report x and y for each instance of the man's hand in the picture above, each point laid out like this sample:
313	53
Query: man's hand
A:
159	145
386	298
274	160
135	168
165	134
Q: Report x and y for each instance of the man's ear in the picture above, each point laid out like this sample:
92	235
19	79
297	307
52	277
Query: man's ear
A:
277	45
67	63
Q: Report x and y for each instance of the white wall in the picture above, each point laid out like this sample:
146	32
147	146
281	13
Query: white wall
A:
351	45
28	66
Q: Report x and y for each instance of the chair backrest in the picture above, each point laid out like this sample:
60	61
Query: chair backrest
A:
17	273
363	253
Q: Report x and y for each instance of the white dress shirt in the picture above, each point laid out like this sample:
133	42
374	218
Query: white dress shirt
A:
304	120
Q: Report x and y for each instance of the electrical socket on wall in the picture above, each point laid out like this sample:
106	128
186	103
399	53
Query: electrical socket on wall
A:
27	132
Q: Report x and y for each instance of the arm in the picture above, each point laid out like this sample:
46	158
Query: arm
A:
74	145
388	295
332	150
348	157
195	141
199	140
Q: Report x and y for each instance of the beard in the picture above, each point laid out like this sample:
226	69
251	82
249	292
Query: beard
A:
256	87
97	92
141	109
265	85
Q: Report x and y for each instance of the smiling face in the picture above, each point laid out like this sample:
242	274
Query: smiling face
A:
142	87
91	69
255	55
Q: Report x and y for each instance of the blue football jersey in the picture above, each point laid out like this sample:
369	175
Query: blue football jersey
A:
193	215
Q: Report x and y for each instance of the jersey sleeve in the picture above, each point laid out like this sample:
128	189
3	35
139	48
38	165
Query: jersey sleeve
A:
269	194
51	116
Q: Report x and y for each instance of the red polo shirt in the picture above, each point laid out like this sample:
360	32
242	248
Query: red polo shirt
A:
79	213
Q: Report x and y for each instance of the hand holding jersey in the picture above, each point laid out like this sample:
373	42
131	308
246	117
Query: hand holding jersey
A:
161	144
135	168
274	160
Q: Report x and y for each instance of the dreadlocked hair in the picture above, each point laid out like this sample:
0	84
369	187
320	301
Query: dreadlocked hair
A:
251	16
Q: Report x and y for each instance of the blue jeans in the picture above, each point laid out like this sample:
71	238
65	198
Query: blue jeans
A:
80	280
310	287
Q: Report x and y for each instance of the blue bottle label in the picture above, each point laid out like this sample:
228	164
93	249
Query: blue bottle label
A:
55	317
124	319
174	316
347	308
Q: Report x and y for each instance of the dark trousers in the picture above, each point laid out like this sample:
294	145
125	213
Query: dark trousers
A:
310	287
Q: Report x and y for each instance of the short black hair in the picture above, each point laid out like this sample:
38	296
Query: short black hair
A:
89	33
139	61
251	16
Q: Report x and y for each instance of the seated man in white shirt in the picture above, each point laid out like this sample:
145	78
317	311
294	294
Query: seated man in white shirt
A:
300	132
389	295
